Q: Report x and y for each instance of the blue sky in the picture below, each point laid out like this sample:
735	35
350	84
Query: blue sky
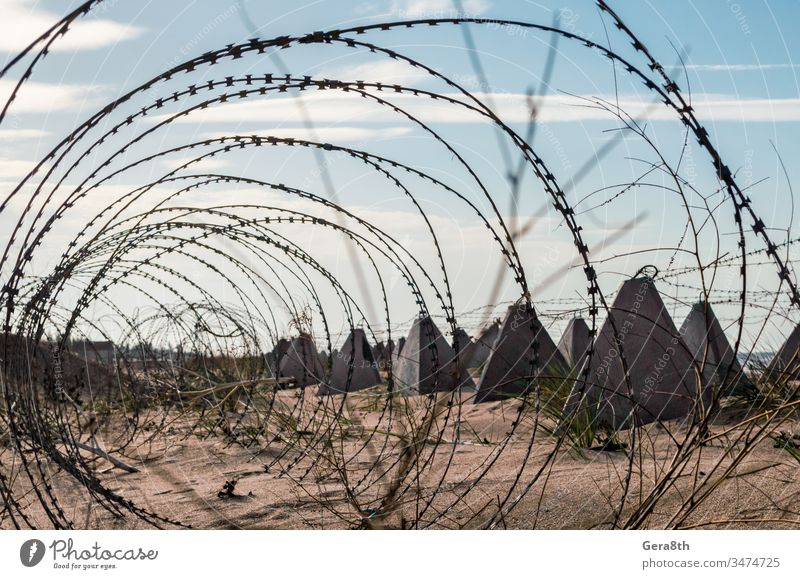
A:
739	69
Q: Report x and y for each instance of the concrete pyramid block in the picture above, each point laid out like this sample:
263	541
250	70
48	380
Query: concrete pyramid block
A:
663	381
378	351
706	340
484	344
382	354
427	362
325	359
511	369
785	365
396	353
354	368
464	347
301	362
575	342
388	356
274	357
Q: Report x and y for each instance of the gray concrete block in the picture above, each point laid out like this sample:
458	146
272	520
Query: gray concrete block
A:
662	383
523	352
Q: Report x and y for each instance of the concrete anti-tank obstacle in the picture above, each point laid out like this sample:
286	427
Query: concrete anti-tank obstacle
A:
663	379
396	353
378	350
706	340
276	355
464	347
353	359
785	365
301	362
385	362
426	362
522	352
324	359
483	345
383	354
575	342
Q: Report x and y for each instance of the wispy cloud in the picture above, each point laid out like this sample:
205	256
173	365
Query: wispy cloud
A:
207	164
327	134
22	22
19	134
437	8
736	67
387	71
15	168
330	107
40	97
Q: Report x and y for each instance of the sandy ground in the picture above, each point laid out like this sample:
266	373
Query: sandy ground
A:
296	480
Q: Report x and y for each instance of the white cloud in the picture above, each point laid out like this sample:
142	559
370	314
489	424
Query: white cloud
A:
332	107
40	97
19	134
386	71
736	67
326	134
736	109
208	164
438	8
15	168
22	23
